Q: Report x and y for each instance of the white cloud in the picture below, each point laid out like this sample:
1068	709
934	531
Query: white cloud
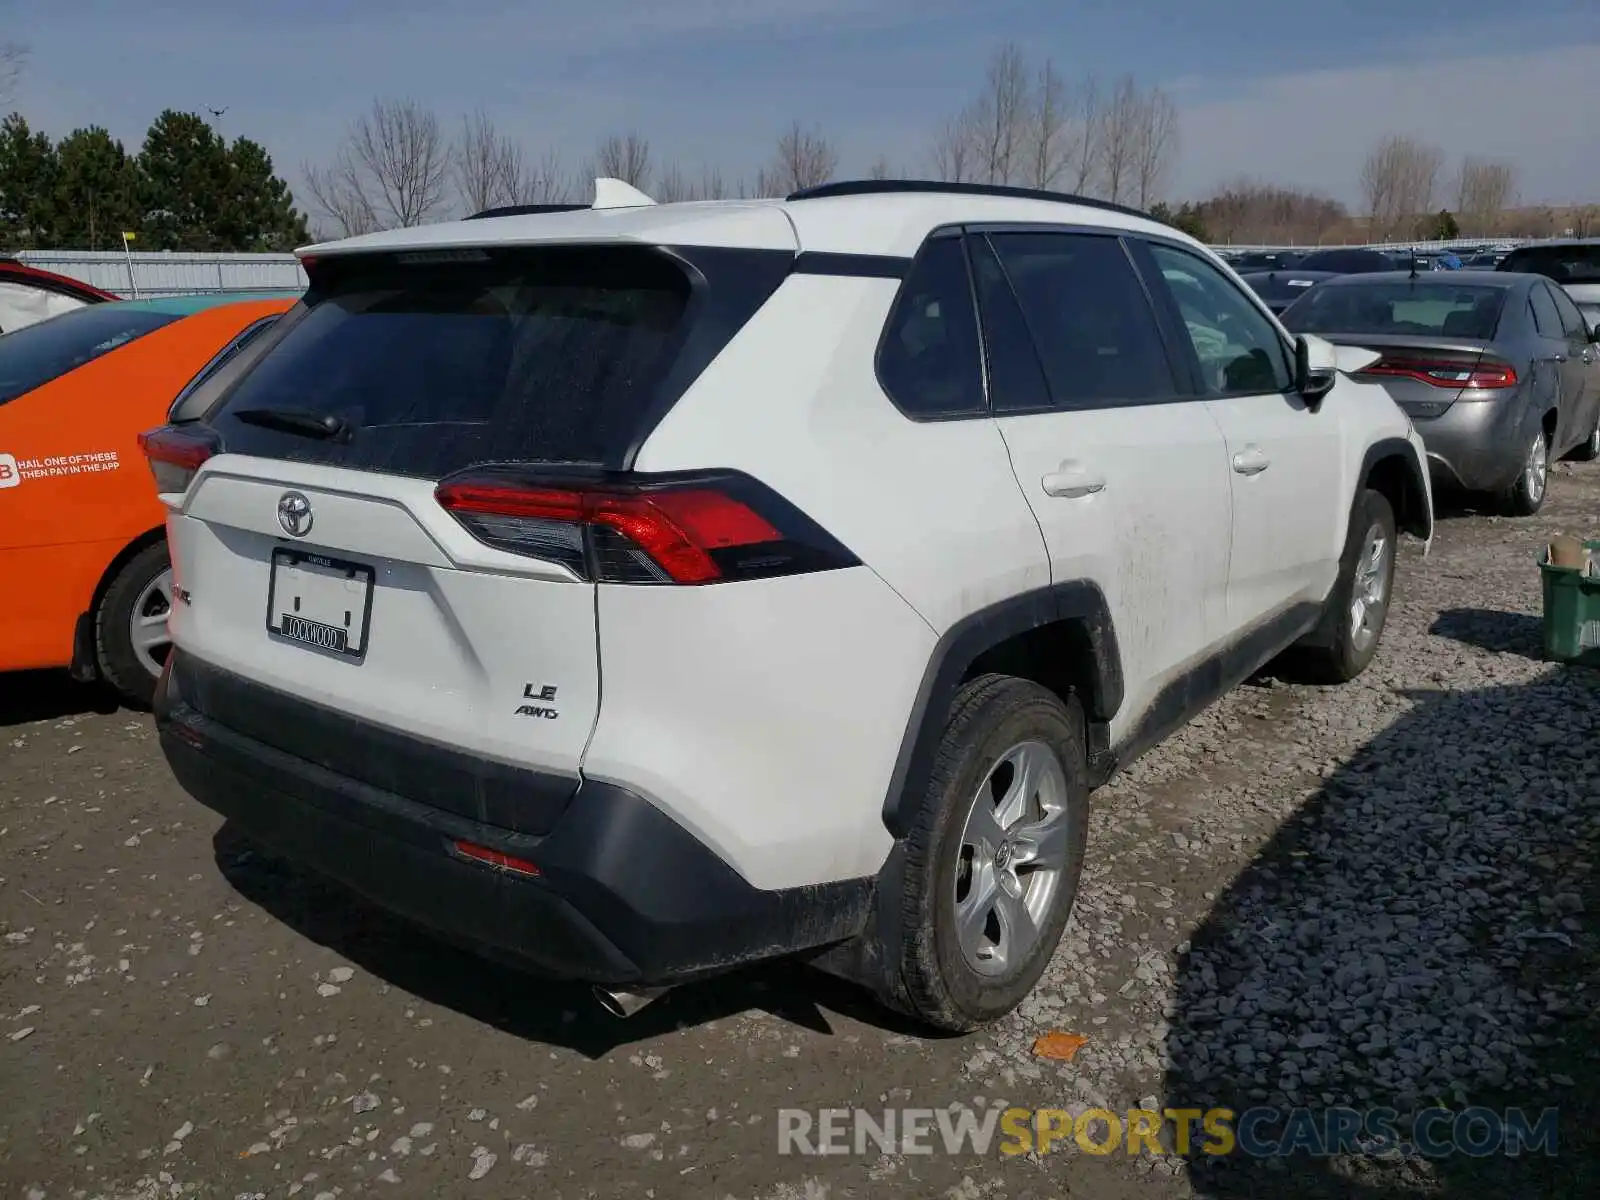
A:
1538	110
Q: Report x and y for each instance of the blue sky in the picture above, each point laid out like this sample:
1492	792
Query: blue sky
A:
1282	91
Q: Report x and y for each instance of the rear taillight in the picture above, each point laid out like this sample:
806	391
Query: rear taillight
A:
1446	373
176	452
701	528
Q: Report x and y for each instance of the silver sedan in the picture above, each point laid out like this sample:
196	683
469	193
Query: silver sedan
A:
1499	371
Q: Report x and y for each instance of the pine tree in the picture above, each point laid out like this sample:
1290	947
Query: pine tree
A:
96	192
29	169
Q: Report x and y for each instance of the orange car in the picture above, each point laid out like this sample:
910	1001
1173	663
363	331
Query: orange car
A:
82	536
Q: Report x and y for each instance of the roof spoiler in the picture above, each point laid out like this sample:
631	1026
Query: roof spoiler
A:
608	193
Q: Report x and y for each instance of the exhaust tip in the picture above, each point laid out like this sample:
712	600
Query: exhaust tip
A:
622	1004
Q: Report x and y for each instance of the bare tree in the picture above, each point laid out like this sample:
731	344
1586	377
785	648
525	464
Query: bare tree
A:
804	158
952	157
1247	212
672	186
1086	146
13	58
714	187
675	186
338	199
1484	189
625	156
1030	127
1050	128
882	168
1119	140
489	168
1155	144
999	118
543	181
402	151
392	169
1398	183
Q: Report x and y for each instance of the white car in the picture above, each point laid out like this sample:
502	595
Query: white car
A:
642	591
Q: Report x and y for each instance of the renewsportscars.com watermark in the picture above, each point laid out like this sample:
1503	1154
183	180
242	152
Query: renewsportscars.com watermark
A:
1262	1132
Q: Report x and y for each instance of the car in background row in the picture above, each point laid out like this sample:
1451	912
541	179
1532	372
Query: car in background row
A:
29	295
1498	372
1279	289
1244	261
1574	264
80	524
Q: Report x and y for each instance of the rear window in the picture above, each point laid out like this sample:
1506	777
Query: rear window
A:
1564	264
36	354
545	355
1422	308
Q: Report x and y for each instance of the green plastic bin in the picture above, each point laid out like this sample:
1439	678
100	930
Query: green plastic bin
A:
1572	612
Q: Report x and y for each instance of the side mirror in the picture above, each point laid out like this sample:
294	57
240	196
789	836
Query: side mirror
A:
1316	368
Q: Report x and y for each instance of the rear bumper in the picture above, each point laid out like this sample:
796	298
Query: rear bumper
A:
1474	445
624	895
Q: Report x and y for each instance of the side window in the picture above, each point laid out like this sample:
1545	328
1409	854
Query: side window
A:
1092	324
37	354
1572	323
221	359
929	362
1016	378
1240	351
1545	316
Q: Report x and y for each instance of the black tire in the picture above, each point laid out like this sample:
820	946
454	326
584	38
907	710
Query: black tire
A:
120	664
1589	450
990	715
1523	500
1338	655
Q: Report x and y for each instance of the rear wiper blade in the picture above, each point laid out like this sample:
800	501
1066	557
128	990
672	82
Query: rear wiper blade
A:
293	420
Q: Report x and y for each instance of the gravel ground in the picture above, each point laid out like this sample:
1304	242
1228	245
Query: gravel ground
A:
1377	895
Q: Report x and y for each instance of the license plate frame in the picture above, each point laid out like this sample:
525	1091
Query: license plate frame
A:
317	633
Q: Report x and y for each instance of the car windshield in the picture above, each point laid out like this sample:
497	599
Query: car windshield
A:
1564	264
32	356
1404	307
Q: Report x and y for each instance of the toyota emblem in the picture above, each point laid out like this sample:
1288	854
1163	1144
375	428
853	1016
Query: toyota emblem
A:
294	514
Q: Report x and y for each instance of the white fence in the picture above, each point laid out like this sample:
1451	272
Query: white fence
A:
163	274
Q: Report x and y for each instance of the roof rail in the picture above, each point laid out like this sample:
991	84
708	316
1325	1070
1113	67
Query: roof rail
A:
880	187
521	210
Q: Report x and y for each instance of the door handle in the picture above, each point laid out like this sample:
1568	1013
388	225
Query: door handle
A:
1071	482
1250	461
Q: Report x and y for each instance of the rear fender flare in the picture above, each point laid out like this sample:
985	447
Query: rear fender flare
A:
1419	524
1079	601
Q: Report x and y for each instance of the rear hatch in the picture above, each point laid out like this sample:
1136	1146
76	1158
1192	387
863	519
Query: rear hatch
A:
318	562
1426	376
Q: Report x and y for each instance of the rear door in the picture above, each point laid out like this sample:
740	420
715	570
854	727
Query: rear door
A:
321	563
1562	354
1577	419
1125	471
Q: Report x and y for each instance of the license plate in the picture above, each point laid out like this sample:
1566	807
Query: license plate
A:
322	603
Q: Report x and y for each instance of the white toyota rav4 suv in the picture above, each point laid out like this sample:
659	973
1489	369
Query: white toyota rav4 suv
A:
642	591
